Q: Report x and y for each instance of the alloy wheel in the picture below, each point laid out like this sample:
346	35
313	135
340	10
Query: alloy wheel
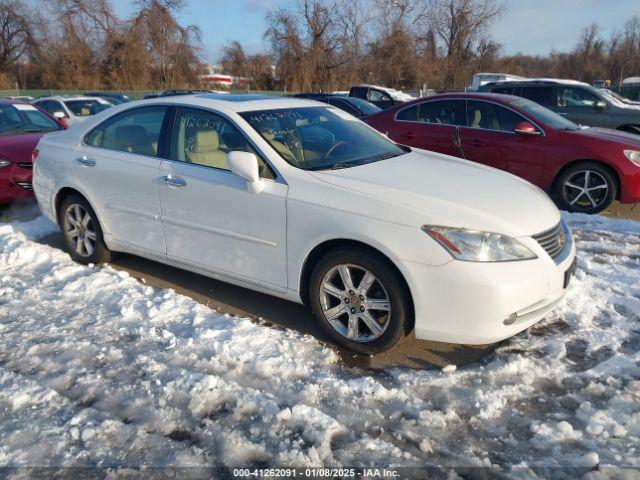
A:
355	302
586	190
79	229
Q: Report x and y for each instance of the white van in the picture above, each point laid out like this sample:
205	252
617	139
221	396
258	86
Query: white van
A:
480	79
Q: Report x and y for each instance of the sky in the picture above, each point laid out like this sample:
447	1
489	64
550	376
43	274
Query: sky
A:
527	26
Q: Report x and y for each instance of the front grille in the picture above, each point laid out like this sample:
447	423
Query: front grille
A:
26	185
552	240
28	165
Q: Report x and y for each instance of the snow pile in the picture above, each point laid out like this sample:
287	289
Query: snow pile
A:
98	369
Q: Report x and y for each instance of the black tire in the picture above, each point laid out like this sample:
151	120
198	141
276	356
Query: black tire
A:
388	285
100	253
573	199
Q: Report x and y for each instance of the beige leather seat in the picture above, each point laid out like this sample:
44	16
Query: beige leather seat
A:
206	150
477	118
279	146
133	139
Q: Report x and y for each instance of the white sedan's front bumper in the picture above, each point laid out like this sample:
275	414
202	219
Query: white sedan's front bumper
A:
481	303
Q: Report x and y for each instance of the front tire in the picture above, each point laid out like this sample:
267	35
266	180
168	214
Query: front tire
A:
586	188
82	232
359	300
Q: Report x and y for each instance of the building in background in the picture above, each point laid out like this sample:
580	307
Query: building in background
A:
213	75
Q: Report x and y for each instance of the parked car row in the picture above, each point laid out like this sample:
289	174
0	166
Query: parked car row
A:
584	169
72	109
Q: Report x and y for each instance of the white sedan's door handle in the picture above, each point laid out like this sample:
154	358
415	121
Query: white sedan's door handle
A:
86	161
173	181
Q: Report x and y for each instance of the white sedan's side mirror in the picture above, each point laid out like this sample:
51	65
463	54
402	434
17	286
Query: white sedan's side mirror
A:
59	114
245	165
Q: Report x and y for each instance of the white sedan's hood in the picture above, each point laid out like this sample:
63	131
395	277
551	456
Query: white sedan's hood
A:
452	192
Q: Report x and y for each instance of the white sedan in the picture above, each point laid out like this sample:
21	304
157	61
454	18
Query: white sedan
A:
300	200
72	110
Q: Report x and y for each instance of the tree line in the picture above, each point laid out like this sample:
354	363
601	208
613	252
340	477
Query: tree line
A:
83	44
314	45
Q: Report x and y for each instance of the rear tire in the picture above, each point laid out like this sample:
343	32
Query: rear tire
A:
82	232
370	312
586	187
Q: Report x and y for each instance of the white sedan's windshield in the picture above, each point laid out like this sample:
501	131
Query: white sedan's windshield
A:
318	138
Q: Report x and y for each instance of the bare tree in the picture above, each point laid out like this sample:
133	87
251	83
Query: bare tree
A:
173	47
16	32
461	26
234	60
306	44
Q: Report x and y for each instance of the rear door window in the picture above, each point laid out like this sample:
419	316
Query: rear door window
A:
134	131
443	112
409	114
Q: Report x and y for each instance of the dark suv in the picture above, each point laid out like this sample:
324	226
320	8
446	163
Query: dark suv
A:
577	101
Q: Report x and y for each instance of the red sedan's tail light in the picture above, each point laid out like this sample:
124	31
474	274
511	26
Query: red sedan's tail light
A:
34	155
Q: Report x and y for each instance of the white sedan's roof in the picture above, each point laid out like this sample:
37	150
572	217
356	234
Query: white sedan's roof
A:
237	102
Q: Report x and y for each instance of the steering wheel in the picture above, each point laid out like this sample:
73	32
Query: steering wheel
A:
333	147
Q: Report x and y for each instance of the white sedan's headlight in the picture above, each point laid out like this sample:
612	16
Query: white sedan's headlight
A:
634	156
4	163
474	246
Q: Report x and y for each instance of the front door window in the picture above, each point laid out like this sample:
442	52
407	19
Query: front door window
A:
204	138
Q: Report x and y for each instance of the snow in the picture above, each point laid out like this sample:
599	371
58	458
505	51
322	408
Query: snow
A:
99	369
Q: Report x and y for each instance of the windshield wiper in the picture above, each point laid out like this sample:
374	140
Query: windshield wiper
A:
352	163
364	161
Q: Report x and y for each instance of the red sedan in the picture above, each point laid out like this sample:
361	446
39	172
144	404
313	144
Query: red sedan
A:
21	126
584	169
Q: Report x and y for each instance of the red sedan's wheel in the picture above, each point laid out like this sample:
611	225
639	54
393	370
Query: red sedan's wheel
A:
586	188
